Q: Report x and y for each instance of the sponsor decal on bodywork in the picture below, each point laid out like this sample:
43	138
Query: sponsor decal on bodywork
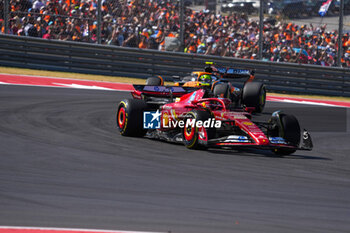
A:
237	138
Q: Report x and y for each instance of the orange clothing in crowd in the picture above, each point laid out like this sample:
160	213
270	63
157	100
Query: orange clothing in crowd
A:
159	36
142	45
192	49
289	36
146	34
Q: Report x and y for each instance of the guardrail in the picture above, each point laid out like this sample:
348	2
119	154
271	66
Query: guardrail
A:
27	52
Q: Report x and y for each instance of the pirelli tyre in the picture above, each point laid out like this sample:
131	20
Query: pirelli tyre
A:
254	95
221	90
130	117
154	81
191	134
287	127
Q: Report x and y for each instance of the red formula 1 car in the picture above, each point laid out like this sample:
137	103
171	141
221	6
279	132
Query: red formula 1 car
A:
198	120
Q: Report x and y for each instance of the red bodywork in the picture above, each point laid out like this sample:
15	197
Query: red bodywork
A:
219	107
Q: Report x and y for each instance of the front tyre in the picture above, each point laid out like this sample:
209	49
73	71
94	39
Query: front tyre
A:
254	95
289	129
192	135
129	117
221	90
224	90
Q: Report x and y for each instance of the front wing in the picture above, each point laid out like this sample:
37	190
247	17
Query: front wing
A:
234	141
274	143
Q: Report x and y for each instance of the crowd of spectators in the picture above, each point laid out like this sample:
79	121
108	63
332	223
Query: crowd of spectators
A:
146	24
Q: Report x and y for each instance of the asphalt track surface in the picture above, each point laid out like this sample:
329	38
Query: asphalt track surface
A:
63	164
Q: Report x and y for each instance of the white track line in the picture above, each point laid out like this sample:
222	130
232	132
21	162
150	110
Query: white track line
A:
307	102
51	77
70	229
66	86
79	86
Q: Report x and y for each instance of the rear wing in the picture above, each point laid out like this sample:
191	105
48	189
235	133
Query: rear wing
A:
160	91
229	72
233	73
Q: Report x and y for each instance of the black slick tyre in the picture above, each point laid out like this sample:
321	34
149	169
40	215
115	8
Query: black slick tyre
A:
289	129
129	117
254	95
154	81
221	90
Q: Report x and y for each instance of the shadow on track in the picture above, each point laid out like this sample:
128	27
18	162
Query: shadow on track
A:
250	152
265	153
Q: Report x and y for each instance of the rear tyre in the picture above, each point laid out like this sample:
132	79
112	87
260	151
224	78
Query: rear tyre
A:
154	81
254	95
289	129
191	134
130	117
221	90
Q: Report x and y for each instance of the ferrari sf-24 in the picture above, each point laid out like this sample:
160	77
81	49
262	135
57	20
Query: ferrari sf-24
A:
176	110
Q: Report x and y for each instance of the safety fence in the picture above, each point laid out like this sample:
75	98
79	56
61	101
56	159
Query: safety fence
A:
298	31
27	52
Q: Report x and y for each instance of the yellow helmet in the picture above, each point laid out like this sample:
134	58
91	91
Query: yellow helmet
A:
205	79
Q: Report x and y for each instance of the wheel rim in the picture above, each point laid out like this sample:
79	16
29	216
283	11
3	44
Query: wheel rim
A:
189	133
121	117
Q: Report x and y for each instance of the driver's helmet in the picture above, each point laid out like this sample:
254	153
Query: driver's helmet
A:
205	79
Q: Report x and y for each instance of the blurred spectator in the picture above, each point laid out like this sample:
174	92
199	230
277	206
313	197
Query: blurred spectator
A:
154	24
